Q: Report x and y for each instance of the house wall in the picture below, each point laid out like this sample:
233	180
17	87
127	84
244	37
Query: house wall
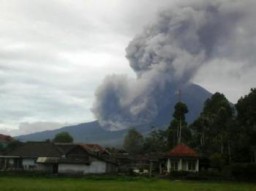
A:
25	163
45	167
182	165
98	167
28	164
71	168
10	161
95	167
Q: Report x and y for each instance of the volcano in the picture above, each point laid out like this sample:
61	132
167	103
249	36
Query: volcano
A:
192	95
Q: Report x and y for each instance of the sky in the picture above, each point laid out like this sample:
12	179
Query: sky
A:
54	54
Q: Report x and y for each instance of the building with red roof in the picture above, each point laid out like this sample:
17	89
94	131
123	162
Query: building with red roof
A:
95	148
5	140
182	158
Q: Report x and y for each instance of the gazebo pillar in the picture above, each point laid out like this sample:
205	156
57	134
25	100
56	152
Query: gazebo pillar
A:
197	165
180	164
168	165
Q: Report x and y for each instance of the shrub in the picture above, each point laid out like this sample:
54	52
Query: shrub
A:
244	171
217	161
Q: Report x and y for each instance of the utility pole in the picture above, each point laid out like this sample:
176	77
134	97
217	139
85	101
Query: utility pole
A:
180	122
179	138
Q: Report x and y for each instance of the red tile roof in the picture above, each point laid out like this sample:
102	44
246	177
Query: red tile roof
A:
94	148
5	138
182	150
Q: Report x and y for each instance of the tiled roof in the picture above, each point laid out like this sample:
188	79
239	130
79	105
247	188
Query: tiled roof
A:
48	150
36	149
182	150
65	147
94	148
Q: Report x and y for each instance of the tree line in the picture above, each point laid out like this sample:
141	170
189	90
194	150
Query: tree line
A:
224	132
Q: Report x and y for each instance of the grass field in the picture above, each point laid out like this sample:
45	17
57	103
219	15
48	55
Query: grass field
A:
79	184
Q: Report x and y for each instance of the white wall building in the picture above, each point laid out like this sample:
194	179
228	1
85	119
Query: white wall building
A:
182	158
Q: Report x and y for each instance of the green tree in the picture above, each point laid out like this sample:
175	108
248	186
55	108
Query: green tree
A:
156	142
211	131
177	130
217	161
246	109
180	110
63	137
133	142
246	121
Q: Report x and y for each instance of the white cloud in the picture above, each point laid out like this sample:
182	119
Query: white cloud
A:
26	128
54	54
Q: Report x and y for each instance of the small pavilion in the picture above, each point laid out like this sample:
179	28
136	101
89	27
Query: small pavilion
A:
182	158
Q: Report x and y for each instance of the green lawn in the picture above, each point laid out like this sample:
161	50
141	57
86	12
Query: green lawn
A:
79	184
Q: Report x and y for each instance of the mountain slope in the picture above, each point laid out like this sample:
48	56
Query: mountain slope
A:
90	132
193	95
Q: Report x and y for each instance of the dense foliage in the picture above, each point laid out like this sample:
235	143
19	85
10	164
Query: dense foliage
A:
177	130
212	130
63	137
245	137
225	133
156	141
133	142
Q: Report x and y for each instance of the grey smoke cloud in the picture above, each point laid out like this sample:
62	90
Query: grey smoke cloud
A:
168	54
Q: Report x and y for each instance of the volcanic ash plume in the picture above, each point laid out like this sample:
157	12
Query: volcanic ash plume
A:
167	54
